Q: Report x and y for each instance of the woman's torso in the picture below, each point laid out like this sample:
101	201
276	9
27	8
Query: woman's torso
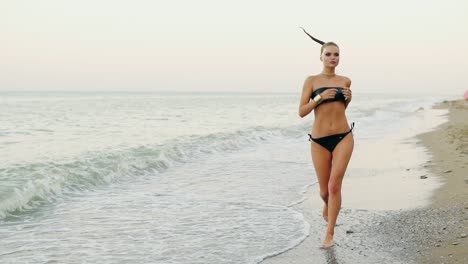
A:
330	117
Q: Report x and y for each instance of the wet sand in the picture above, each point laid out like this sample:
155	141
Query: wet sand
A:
397	208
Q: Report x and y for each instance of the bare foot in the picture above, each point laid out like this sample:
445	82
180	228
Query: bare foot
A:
325	212
328	242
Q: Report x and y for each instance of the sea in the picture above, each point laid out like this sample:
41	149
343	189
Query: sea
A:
166	178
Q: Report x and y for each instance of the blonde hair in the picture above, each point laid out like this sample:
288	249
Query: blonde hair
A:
326	44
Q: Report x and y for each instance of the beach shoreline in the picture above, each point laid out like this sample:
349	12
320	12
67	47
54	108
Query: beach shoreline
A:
448	146
431	232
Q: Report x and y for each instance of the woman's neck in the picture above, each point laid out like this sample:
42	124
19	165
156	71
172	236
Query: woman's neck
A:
328	72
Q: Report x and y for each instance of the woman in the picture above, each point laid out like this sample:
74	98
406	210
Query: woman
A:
332	142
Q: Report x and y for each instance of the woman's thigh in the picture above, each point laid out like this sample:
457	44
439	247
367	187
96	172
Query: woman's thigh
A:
340	159
321	158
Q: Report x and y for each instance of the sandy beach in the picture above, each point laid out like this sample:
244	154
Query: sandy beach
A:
404	211
449	148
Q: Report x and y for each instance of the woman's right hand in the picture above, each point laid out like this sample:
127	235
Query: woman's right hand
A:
328	94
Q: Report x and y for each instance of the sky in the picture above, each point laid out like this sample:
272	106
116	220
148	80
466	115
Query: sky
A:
231	46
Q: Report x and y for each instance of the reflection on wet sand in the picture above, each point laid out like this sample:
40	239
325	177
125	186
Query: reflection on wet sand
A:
331	255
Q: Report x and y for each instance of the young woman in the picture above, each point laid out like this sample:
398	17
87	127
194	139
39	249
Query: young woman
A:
329	94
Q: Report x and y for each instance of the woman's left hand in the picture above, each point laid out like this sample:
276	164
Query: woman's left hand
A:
347	93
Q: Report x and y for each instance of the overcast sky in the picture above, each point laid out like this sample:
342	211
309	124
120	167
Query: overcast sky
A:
215	45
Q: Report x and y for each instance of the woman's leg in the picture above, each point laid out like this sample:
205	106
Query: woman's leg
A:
340	160
321	158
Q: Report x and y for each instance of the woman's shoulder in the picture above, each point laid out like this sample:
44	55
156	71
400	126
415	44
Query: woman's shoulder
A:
309	81
345	79
311	77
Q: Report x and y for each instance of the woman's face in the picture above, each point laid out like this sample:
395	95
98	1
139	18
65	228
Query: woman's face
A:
330	56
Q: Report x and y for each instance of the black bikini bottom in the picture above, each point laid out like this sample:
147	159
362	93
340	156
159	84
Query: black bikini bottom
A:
330	142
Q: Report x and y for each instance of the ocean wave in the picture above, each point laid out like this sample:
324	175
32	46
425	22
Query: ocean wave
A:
31	185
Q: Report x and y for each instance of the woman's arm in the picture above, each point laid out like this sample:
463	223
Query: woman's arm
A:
306	105
347	92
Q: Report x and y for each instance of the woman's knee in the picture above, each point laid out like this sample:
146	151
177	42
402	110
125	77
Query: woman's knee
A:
334	187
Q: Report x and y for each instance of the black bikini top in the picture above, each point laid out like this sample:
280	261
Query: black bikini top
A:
338	97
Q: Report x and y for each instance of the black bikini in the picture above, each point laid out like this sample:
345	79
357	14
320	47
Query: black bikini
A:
330	142
339	96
